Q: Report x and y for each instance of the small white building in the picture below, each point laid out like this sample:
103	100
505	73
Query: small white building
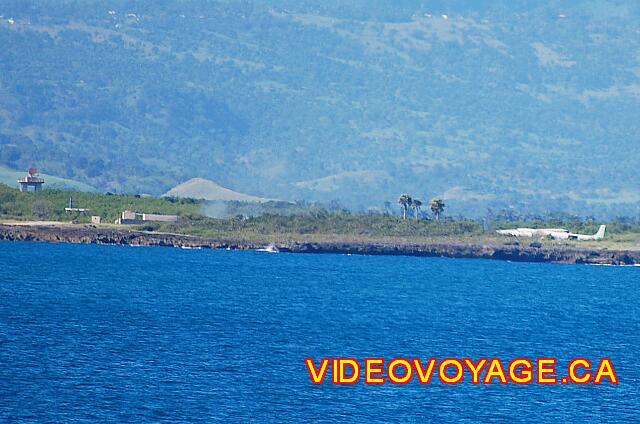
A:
159	218
129	217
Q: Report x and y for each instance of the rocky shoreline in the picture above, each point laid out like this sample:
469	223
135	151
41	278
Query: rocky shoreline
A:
516	253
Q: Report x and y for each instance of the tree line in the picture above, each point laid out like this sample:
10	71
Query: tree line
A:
406	201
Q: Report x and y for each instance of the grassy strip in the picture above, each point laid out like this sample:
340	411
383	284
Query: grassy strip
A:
307	222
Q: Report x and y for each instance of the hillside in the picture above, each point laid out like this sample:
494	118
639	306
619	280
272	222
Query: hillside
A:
297	221
10	176
489	104
49	205
199	188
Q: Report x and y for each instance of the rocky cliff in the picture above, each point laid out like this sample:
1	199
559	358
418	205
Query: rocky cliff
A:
90	234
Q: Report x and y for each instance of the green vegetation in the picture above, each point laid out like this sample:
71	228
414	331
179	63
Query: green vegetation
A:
416	205
502	104
405	201
298	221
437	207
10	176
49	205
324	224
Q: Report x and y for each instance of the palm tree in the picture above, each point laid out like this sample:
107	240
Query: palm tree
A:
405	201
416	206
437	207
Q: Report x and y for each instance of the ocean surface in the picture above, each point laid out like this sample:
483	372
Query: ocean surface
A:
121	334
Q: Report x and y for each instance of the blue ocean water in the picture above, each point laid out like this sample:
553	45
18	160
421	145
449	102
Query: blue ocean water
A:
119	334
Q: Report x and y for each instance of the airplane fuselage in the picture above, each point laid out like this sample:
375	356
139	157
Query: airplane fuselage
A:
555	233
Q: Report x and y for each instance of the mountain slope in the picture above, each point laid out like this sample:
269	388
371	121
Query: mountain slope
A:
10	178
525	105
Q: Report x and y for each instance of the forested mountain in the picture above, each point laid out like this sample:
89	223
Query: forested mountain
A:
489	104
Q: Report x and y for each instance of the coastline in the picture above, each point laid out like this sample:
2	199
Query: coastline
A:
515	253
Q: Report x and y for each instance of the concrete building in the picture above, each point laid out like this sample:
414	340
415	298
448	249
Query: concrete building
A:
129	217
159	218
31	180
96	219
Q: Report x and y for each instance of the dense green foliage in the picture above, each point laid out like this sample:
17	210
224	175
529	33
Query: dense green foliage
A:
279	220
324	224
50	204
499	104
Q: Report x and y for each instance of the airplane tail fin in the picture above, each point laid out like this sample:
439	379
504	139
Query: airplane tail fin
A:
600	234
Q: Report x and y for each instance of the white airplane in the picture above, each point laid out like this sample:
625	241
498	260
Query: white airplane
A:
555	233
